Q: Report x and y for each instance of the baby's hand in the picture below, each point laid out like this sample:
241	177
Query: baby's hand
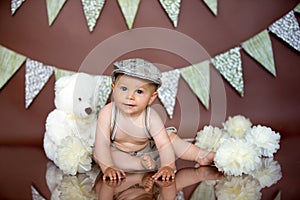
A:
166	173
113	174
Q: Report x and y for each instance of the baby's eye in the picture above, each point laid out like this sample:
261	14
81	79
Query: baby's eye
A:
79	99
123	88
139	91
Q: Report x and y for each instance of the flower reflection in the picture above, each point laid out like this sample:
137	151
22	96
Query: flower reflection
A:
246	186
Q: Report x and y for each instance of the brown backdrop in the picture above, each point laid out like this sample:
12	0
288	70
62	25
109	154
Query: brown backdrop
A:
269	101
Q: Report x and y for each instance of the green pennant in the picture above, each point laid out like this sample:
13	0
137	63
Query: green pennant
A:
213	5
53	8
229	64
197	77
172	8
260	48
129	9
61	73
297	9
10	62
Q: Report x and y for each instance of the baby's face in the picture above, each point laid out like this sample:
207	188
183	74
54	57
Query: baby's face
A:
132	95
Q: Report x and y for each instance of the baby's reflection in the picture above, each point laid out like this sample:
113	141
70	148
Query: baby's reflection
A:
143	186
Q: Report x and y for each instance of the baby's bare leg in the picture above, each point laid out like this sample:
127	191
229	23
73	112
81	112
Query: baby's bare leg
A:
127	162
188	151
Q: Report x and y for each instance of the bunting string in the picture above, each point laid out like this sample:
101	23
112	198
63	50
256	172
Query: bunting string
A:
197	76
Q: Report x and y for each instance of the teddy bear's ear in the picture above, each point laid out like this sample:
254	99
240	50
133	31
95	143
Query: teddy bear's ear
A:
62	83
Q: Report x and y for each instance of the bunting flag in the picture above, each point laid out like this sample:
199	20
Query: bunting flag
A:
35	194
213	6
36	76
53	8
287	28
14	5
104	90
197	77
168	91
10	62
260	48
172	8
205	190
61	73
297	9
129	9
229	64
92	10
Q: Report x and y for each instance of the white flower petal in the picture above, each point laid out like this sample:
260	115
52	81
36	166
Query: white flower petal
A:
73	156
236	156
237	126
266	140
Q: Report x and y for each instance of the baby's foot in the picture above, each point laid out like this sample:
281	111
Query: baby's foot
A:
148	182
148	162
205	158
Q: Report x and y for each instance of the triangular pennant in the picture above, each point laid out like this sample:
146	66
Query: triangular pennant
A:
297	9
229	64
205	190
197	77
213	5
61	73
36	76
129	9
172	8
35	194
104	90
92	10
14	5
168	91
53	8
260	48
287	28
10	62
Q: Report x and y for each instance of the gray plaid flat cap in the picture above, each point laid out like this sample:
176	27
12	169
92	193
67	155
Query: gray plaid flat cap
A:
139	68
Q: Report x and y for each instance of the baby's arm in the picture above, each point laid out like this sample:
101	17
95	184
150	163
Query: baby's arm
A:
164	146
102	154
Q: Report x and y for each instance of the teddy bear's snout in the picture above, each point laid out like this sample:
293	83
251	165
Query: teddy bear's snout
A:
88	110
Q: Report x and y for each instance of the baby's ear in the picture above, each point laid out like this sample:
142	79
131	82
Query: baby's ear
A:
153	97
112	86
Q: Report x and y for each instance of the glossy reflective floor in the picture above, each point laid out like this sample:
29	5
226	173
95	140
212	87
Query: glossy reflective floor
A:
27	174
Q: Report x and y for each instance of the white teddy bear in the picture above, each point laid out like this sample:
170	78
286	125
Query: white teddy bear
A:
71	127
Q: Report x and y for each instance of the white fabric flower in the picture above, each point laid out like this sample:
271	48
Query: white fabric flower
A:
236	156
238	188
73	156
76	187
237	126
210	138
269	172
266	140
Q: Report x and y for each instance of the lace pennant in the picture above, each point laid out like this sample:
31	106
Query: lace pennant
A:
10	62
168	91
92	10
14	5
197	77
37	75
229	64
35	194
260	48
104	90
287	28
172	8
129	9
